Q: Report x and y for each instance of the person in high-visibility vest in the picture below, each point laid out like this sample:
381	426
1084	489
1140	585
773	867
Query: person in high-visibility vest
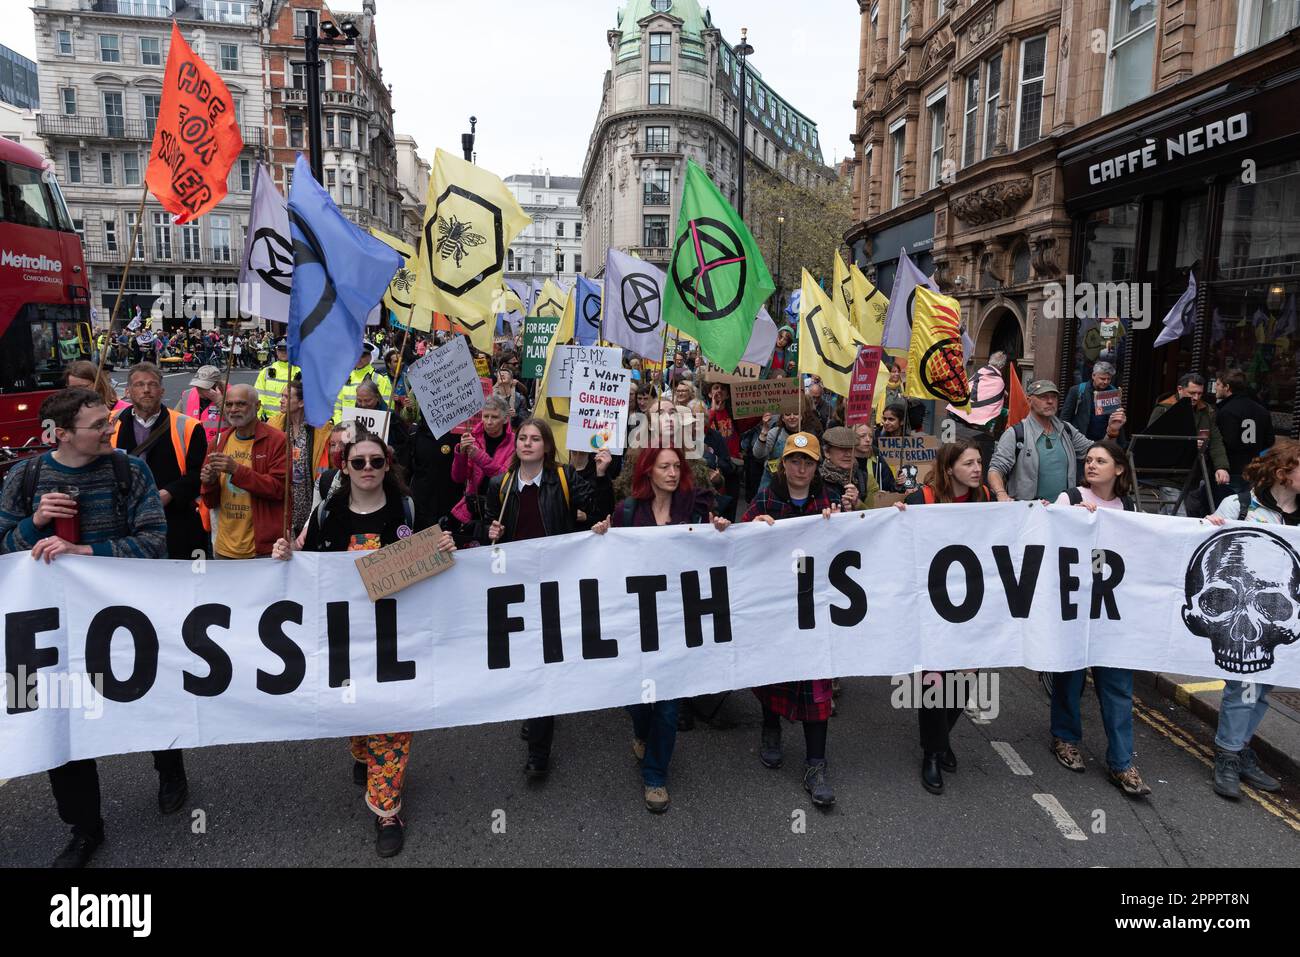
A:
364	370
174	447
202	401
274	379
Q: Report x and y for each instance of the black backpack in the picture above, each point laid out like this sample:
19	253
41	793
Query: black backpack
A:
1076	498
121	488
1243	503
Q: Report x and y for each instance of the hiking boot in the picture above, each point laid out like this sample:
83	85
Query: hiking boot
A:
389	841
360	773
769	751
638	749
1130	782
1068	754
656	800
814	782
1253	774
1227	774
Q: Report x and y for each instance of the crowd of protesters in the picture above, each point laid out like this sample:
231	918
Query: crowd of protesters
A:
208	476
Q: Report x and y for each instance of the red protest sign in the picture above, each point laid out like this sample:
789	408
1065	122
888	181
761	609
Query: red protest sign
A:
197	138
862	389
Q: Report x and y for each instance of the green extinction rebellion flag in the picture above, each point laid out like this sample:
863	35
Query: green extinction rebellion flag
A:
717	280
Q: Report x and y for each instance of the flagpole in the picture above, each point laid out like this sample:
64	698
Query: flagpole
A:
121	289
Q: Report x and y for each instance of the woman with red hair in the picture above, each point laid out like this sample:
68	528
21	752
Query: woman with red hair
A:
662	494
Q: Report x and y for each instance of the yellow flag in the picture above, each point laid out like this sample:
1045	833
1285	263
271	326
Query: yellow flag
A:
870	306
480	332
550	301
879	397
421	318
471	220
828	345
842	291
564	332
936	366
399	300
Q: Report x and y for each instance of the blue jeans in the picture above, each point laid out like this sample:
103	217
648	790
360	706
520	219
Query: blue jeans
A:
656	725
1114	694
1238	718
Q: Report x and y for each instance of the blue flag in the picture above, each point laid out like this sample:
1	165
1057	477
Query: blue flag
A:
340	275
586	319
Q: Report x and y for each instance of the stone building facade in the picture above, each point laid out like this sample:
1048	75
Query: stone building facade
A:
101	70
552	245
413	180
672	93
982	132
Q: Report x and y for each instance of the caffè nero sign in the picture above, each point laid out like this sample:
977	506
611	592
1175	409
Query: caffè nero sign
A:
1171	149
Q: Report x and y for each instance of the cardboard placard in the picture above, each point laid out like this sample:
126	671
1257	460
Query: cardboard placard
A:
538	332
372	420
911	458
447	386
1107	402
599	400
559	384
750	398
886	500
469	424
862	388
745	372
388	570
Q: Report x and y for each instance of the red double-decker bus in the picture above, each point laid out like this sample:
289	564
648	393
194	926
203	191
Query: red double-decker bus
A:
44	296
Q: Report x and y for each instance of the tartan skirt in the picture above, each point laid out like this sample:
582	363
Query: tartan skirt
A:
798	700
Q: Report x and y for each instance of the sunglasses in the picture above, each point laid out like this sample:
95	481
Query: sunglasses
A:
359	462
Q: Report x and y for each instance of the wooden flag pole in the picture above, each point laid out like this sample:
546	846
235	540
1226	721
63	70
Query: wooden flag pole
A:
288	471
121	289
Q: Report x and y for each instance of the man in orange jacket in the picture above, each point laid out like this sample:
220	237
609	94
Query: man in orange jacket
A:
244	480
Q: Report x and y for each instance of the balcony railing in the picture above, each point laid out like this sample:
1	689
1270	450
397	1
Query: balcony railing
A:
658	146
656	198
117	128
650	253
100	254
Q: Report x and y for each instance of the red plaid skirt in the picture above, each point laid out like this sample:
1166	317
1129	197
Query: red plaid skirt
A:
798	700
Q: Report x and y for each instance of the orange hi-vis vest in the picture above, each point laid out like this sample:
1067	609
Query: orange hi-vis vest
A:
182	433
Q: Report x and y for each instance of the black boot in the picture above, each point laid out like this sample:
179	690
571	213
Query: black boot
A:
538	765
1227	774
948	761
173	791
769	751
78	852
932	773
360	773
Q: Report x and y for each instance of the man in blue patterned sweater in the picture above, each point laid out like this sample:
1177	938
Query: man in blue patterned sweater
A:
86	499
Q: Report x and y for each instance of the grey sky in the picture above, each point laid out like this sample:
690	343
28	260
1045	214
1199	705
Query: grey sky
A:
532	72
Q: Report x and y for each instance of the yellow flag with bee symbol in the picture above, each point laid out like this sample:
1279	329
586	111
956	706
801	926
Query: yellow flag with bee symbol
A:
400	299
471	219
870	306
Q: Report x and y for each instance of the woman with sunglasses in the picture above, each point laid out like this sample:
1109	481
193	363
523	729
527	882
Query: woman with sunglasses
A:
662	493
957	479
535	498
797	490
370	510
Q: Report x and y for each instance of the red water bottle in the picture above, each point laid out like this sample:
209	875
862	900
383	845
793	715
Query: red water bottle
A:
69	529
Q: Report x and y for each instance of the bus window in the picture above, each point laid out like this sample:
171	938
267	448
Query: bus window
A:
24	198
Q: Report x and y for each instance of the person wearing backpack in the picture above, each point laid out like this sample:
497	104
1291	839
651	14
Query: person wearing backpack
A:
1270	499
1106	484
1038	459
957	479
536	498
83	498
370	510
663	493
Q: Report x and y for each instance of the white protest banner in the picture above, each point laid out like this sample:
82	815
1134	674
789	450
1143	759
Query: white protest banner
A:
372	420
446	385
95	665
599	402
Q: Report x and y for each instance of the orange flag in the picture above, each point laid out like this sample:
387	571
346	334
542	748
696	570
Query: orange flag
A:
1017	404
197	138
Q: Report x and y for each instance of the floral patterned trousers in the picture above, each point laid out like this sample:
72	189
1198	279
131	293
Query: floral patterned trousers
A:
385	757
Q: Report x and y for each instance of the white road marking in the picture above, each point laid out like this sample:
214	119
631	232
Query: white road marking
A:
1014	761
1060	817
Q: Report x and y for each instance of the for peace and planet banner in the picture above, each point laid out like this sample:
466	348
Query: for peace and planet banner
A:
96	665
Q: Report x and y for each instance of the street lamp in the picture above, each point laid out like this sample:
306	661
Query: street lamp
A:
742	50
780	230
467	140
313	41
558	254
